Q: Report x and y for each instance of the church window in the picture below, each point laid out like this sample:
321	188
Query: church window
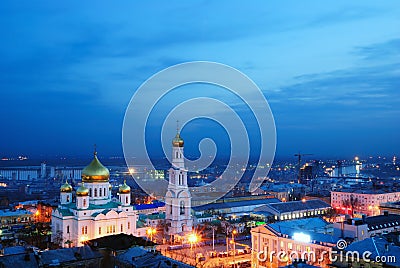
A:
99	230
67	198
126	199
100	192
67	229
182	208
84	202
113	228
104	192
95	192
122	227
129	225
170	209
90	192
176	154
85	229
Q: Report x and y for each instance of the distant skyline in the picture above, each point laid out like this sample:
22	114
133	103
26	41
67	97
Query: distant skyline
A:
329	70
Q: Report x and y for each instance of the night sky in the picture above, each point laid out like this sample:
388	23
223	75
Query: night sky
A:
329	70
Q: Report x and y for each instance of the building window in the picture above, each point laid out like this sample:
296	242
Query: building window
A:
99	230
182	208
67	229
100	192
68	198
104	192
122	228
90	192
290	246
129	225
113	228
85	229
84	202
126	199
95	192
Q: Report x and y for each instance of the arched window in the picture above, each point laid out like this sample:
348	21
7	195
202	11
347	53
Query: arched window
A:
84	202
100	192
95	192
90	192
67	198
176	154
67	229
104	192
126	200
182	208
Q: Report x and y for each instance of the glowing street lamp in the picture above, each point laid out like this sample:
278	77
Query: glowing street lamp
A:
193	238
150	232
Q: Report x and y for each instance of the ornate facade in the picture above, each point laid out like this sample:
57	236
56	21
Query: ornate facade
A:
94	213
178	199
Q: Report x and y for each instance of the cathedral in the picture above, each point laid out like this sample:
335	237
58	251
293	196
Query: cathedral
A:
178	217
94	213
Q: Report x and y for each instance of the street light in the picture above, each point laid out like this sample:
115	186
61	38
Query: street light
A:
150	232
193	238
234	232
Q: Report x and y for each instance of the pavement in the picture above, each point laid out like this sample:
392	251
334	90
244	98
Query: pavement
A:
188	255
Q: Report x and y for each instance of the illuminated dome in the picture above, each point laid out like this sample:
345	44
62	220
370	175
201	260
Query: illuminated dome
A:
95	171
82	190
124	188
177	141
66	188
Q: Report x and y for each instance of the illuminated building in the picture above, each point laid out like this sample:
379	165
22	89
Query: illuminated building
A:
94	213
354	201
178	199
279	244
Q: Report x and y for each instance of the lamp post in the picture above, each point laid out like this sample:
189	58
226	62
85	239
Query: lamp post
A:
213	235
234	232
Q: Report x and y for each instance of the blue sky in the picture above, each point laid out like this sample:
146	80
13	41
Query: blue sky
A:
330	71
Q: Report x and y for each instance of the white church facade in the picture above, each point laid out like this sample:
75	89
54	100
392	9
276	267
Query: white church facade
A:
178	217
94	213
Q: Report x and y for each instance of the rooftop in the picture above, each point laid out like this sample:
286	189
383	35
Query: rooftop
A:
316	228
366	191
138	257
378	246
382	221
291	206
236	204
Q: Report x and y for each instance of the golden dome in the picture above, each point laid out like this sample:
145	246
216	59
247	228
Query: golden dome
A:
82	190
177	141
66	188
95	171
124	188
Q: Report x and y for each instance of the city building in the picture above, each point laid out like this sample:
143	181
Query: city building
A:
370	252
178	218
9	218
359	229
281	243
229	208
94	213
141	258
295	209
391	207
356	201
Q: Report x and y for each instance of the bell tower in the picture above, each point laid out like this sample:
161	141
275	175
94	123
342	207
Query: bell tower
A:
178	199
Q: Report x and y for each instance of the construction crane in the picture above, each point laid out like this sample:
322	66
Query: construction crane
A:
299	156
